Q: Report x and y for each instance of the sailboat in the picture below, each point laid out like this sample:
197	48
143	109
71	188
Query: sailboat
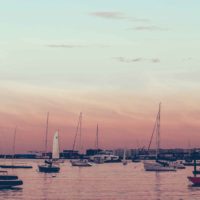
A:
124	161
79	162
12	165
56	149
51	166
157	165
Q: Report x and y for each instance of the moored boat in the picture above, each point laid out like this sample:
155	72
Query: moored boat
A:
195	179
12	165
177	165
81	163
9	181
157	165
49	168
16	166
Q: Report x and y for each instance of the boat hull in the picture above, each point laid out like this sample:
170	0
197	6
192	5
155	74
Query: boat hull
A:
80	163
8	177
10	183
16	166
195	180
48	169
157	167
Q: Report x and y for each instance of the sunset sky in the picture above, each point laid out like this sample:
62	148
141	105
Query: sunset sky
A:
113	60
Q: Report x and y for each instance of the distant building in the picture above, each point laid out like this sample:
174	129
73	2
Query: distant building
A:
91	152
68	154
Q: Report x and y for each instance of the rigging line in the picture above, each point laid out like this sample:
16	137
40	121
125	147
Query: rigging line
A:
14	138
97	137
76	133
154	128
46	135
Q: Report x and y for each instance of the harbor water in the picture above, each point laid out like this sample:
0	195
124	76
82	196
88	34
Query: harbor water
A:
102	181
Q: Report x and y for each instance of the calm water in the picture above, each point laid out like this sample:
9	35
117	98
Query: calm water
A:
106	181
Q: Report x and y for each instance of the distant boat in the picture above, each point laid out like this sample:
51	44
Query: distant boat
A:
50	166
103	156
195	179
16	166
79	162
12	165
9	181
157	165
124	161
177	165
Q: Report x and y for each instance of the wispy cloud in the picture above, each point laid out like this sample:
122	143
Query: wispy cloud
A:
149	28
109	15
64	46
139	59
75	45
117	16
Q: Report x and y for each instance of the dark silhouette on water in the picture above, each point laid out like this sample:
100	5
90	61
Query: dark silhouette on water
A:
9	181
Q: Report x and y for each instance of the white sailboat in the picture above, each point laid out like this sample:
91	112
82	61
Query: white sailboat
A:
157	165
50	166
124	161
56	149
79	162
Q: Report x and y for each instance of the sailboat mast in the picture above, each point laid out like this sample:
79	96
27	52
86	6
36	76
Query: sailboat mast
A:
158	133
46	135
77	129
80	134
14	138
97	138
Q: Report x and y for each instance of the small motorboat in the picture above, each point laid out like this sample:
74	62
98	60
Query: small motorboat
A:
81	163
195	179
177	165
9	181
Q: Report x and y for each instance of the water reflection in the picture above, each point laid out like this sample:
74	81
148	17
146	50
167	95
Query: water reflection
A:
106	181
11	193
157	185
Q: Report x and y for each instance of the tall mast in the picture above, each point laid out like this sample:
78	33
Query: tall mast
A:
158	133
97	138
14	138
77	131
80	134
46	135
